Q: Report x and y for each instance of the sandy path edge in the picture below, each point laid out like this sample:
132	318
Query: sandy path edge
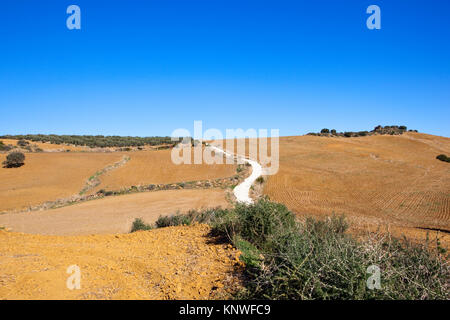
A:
242	191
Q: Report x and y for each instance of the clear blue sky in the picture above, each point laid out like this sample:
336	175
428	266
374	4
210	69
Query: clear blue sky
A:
149	67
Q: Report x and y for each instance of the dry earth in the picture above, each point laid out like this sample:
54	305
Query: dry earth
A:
52	176
112	214
386	182
48	176
393	182
169	263
152	167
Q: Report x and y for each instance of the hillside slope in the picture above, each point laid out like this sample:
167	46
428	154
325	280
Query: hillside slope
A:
395	179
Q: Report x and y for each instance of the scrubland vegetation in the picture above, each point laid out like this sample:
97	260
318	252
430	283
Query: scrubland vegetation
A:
391	130
4	147
92	141
14	160
317	259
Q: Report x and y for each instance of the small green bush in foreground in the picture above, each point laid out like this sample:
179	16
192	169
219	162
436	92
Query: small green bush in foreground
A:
139	224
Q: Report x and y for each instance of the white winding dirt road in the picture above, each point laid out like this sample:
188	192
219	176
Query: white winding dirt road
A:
242	191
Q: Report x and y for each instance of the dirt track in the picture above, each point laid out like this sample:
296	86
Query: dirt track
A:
112	214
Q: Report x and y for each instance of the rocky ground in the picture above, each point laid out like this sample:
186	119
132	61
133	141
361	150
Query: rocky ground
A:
169	263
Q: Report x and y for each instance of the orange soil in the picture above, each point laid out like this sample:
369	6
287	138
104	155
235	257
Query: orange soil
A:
374	180
152	167
48	176
168	263
112	214
51	176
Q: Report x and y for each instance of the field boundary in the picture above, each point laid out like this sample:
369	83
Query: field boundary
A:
94	180
224	183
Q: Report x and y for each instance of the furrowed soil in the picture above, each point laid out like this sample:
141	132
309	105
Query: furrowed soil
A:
48	176
383	181
153	167
52	176
170	263
112	214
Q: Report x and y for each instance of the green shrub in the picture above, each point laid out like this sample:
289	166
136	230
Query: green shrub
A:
22	143
206	216
93	141
139	224
317	259
443	157
250	255
320	261
175	220
4	147
14	160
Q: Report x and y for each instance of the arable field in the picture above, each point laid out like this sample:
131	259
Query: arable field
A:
52	176
375	181
48	176
381	178
112	214
152	167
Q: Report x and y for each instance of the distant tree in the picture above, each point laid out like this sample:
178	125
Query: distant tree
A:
22	143
443	157
333	131
325	130
14	160
403	128
4	147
